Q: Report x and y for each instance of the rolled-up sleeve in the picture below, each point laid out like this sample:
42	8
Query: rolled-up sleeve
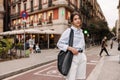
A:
63	41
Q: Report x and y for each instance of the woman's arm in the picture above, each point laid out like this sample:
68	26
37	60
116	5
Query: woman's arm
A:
63	41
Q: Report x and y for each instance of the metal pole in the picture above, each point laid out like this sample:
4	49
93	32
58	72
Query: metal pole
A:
24	37
48	41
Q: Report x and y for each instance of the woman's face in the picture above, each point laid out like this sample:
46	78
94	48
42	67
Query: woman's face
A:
76	21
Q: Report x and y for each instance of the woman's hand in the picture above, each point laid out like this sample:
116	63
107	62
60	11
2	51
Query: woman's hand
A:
73	50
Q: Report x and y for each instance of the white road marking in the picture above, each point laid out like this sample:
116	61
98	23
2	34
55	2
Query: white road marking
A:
28	71
51	72
93	61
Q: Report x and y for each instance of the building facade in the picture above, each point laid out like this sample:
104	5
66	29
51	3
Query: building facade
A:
1	15
118	22
51	14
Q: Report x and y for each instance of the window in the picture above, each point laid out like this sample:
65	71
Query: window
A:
40	19
31	20
40	4
24	6
19	8
31	5
50	17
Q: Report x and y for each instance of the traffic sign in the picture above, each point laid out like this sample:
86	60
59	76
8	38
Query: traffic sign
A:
24	14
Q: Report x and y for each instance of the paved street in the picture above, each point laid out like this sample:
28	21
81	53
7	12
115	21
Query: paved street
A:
49	71
96	66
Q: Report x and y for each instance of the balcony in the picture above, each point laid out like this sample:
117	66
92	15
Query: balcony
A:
19	27
49	22
15	15
19	1
31	23
40	22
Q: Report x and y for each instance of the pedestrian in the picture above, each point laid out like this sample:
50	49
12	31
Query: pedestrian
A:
78	66
37	48
27	51
103	46
111	44
31	44
27	45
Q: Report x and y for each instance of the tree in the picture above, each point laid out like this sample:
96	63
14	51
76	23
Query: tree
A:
114	30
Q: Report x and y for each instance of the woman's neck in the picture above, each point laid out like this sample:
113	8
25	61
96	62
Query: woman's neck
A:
76	26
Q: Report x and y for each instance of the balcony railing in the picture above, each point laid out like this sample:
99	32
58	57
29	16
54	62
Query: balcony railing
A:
40	22
19	27
15	15
13	3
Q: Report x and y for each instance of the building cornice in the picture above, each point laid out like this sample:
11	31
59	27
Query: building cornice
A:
47	9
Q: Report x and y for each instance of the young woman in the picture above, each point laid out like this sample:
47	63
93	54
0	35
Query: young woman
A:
78	67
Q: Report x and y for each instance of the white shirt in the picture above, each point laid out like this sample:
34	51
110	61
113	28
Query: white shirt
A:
78	40
31	41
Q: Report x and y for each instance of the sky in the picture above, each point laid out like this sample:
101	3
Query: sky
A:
110	11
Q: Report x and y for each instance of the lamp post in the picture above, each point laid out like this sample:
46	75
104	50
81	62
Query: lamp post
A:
24	22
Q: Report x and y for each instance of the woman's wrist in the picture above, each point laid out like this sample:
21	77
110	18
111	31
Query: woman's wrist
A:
69	48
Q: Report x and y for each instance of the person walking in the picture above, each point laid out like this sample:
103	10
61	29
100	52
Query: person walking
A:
111	44
31	44
103	46
78	66
27	50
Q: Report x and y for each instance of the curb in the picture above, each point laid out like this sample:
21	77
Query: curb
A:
23	70
96	71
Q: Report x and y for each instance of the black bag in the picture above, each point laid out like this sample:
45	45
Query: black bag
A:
119	47
64	59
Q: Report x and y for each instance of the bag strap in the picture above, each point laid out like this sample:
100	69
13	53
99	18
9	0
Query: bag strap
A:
71	37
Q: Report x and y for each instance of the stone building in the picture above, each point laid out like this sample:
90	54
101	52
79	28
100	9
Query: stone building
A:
118	22
1	15
52	15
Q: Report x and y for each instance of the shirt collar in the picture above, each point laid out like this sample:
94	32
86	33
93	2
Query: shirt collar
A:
76	29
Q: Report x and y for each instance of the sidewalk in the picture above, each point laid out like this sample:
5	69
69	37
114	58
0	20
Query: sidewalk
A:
108	67
9	68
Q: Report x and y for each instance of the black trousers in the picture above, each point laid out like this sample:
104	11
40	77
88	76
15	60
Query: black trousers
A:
103	49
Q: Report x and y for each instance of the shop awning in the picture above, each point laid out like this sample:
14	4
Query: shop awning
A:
41	30
33	31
